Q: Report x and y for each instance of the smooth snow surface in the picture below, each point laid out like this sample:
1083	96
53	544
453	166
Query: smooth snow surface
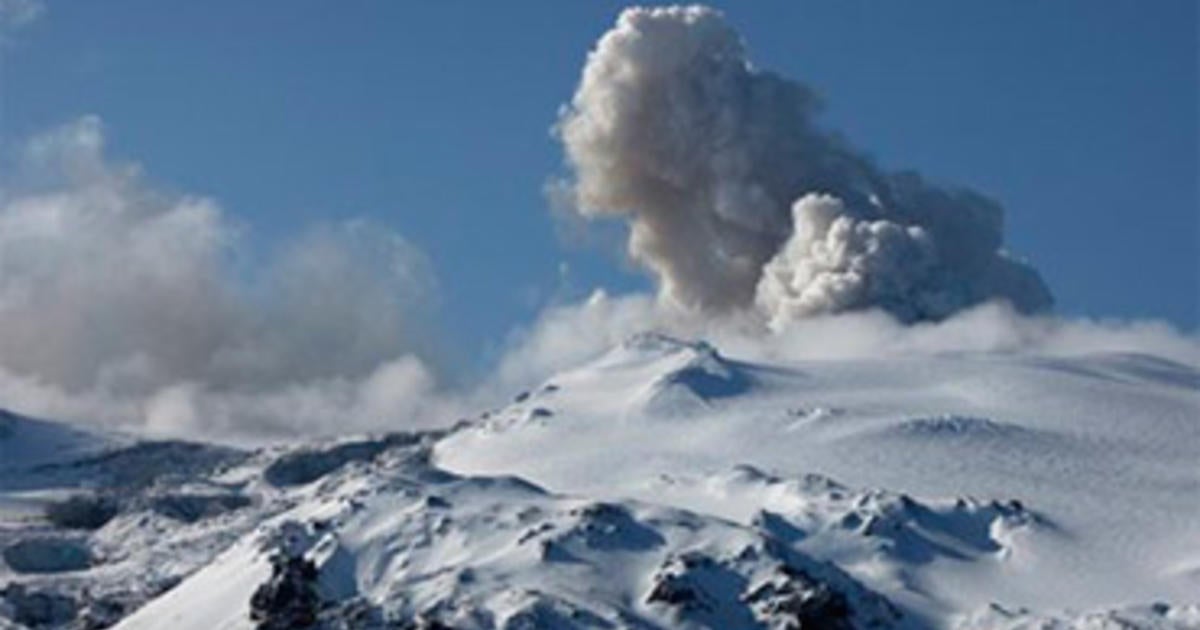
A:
1100	453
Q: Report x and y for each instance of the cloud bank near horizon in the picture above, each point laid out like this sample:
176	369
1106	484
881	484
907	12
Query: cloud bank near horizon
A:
566	335
121	300
737	200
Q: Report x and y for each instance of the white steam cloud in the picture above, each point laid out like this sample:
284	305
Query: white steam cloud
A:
737	199
566	335
126	304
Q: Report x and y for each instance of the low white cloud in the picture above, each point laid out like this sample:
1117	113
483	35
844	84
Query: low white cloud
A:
570	334
564	335
122	303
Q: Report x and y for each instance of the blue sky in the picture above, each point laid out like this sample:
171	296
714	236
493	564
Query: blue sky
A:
433	118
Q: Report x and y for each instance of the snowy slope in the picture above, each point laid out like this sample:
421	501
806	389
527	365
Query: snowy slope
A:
403	543
661	485
1099	453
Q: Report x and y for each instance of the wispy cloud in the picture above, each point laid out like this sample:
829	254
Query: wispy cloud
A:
18	14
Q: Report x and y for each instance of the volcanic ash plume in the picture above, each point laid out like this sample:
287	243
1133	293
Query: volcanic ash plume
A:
737	200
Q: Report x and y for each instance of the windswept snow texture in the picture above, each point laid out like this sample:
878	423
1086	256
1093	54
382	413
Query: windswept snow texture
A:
662	485
368	533
948	484
403	544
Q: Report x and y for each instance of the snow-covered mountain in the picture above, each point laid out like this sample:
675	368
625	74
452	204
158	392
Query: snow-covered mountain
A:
660	485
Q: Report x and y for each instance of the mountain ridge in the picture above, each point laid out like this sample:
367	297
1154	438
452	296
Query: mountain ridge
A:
967	491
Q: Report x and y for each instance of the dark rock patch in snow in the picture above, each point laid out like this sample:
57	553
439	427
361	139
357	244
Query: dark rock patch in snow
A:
608	527
308	465
39	609
47	555
101	613
954	426
778	527
289	598
721	593
698	585
190	508
146	463
82	511
793	599
595	527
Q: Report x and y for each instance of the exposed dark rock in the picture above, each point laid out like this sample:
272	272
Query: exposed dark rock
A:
147	463
39	609
190	508
681	583
289	599
101	613
82	512
47	555
792	600
306	466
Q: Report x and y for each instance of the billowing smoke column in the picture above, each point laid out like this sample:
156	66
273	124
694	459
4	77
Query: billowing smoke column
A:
737	199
